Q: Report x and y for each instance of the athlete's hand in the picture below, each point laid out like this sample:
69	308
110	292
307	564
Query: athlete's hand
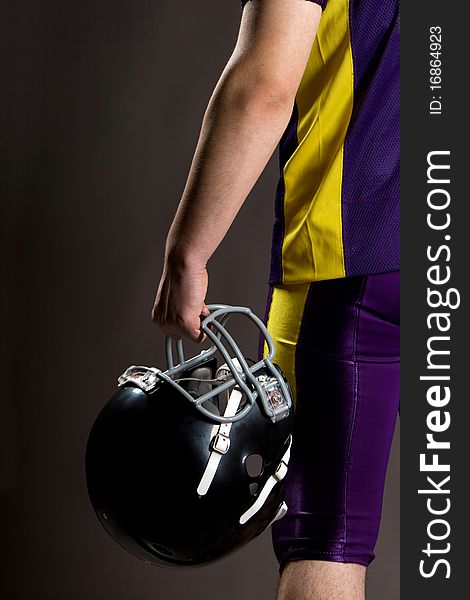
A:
180	301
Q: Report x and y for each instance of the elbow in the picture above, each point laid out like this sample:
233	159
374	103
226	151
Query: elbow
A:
259	93
269	96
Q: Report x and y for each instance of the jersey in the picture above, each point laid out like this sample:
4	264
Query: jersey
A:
337	200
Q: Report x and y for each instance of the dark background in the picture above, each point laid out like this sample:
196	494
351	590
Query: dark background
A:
100	109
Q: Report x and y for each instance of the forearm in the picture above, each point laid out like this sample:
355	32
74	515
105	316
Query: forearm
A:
244	121
241	128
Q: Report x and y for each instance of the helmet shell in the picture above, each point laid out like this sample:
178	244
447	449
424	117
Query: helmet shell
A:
145	457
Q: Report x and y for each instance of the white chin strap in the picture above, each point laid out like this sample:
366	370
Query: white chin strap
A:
281	511
273	480
220	443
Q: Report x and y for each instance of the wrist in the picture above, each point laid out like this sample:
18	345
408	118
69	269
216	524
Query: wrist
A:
184	259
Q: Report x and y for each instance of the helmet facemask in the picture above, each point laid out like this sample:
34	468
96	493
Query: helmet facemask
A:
261	380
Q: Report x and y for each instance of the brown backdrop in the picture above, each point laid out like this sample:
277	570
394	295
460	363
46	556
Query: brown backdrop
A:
101	106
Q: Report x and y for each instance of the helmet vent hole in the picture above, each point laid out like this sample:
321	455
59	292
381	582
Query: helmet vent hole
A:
254	465
253	489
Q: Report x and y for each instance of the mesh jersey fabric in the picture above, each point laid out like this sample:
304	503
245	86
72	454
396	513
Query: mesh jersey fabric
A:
337	200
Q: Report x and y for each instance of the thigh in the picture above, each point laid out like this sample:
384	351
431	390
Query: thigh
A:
338	342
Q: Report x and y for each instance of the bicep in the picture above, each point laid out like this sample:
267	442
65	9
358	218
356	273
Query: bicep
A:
275	40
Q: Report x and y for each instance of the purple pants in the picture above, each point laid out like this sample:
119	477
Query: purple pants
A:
347	380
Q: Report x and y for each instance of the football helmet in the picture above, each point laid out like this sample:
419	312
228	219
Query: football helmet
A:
187	464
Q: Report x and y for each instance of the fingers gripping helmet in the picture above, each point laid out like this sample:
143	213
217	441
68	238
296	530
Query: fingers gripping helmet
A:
187	464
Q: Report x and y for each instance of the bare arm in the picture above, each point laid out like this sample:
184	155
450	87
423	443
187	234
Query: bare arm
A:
244	121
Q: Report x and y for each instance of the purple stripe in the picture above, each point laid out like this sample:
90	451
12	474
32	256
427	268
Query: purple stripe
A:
287	146
371	174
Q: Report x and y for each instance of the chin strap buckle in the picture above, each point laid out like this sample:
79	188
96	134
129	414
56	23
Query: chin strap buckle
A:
220	443
281	471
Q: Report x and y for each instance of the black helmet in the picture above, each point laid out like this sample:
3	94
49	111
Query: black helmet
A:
185	465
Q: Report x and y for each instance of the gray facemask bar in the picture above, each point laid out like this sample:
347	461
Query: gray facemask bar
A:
219	315
180	348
